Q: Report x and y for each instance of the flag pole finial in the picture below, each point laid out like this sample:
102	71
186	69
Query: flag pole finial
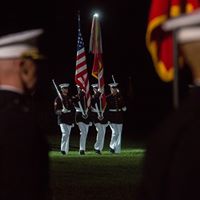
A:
96	15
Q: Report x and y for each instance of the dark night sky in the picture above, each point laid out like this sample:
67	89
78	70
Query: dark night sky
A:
123	32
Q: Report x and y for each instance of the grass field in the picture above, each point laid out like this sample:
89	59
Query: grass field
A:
95	177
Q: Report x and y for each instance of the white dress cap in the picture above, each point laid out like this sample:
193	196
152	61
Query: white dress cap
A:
95	85
183	20
113	84
17	44
64	85
187	26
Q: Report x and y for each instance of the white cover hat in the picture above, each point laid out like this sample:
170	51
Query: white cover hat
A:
187	26
64	85
95	85
113	84
21	44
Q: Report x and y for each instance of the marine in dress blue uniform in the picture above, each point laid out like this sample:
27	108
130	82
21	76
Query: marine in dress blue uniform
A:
116	108
23	146
172	162
99	119
82	118
65	116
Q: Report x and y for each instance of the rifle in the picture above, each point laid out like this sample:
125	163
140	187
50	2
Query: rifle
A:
65	110
113	79
100	103
114	82
99	109
100	117
83	111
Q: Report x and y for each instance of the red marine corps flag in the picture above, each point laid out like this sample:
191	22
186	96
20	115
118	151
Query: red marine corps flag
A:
96	49
159	43
81	74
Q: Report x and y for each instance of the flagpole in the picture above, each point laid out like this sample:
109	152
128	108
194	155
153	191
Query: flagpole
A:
100	103
96	49
176	78
78	14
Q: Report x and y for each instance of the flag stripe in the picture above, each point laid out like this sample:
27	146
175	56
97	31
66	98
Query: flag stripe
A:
81	65
81	68
81	73
80	60
82	50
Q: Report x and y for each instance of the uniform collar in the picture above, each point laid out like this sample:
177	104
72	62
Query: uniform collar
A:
11	88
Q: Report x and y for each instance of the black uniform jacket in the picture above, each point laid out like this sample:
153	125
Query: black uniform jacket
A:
94	115
172	163
115	103
23	150
66	118
79	115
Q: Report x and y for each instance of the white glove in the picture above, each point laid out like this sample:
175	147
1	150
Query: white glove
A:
101	91
64	110
85	116
124	108
100	117
90	123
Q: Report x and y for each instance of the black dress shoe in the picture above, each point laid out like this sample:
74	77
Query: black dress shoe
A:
63	152
82	152
97	152
112	150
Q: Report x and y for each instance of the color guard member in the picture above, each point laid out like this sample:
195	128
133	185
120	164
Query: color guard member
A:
116	109
64	110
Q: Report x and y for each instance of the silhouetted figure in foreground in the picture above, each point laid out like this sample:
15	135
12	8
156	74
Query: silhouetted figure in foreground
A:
23	148
172	164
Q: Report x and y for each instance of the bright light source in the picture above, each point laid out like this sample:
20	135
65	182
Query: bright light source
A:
96	15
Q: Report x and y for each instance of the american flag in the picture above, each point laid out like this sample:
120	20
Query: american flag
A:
81	74
96	49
